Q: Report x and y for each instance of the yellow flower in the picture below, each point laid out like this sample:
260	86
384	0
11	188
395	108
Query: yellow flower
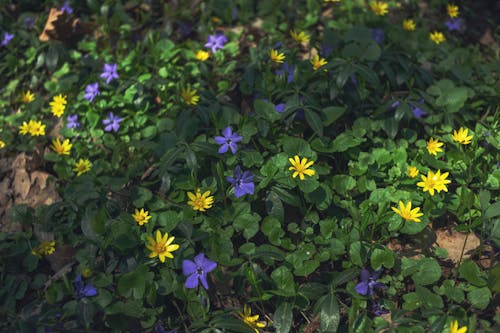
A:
82	166
58	105
300	37
162	247
27	97
317	62
86	273
461	136
276	56
2	144
202	55
433	146
36	128
301	168
45	248
24	128
437	37
141	216
252	321
452	10
61	148
189	96
200	201
454	328
409	25
412	171
434	182
407	213
379	7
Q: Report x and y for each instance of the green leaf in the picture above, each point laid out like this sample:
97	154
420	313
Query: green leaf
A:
470	271
343	183
329	314
358	253
133	284
427	272
283	318
314	121
271	227
428	298
249	223
480	297
492	211
382	257
266	110
345	141
284	281
332	113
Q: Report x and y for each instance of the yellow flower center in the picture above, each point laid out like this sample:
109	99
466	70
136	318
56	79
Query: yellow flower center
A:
160	248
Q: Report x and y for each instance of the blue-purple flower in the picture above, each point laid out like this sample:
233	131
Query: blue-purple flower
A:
417	111
72	121
228	140
66	8
109	72
242	182
454	24
368	283
91	91
112	122
378	35
216	41
326	49
84	290
160	329
280	107
197	270
29	22
6	38
378	310
287	69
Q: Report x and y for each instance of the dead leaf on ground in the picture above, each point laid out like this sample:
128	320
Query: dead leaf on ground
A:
453	241
64	27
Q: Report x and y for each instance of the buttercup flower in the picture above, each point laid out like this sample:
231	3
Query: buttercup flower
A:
452	10
72	121
412	171
189	96
112	123
2	144
368	283
215	42
25	128
6	38
27	97
202	55
437	37
461	136
276	56
301	167
200	202
252	321
300	37
434	182
141	216
91	91
109	72
407	213
454	328
409	25
44	249
34	128
242	182
228	140
162	247
197	270
433	146
379	7
81	290
58	105
317	62
61	148
82	166
454	24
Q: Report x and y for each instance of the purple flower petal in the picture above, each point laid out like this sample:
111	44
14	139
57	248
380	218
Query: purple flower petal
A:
188	267
362	288
203	279
192	281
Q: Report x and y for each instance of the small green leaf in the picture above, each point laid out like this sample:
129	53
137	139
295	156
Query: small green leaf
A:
480	297
470	271
329	314
283	318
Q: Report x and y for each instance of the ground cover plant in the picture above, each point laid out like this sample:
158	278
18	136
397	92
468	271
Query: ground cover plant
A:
249	166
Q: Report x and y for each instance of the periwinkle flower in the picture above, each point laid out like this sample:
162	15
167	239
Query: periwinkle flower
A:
6	38
84	290
109	72
215	42
378	35
287	69
395	104
378	310
91	91
66	8
454	24
280	107
326	49
417	112
368	283
29	22
197	270
72	121
112	122
228	140
242	182
160	329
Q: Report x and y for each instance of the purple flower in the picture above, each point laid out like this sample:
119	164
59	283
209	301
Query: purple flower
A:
84	291
368	283
287	69
378	310
228	140
112	123
109	72
6	38
29	22
326	49
454	24
160	329
280	107
395	104
91	91
417	112
354	79
216	41
378	35
66	8
197	270
242	182
72	121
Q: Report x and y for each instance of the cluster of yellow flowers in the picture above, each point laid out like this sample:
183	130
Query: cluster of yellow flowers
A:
33	128
44	249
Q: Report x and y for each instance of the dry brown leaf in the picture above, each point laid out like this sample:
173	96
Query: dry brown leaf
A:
453	241
22	183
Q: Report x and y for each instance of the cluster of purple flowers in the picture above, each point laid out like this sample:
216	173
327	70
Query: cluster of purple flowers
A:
216	42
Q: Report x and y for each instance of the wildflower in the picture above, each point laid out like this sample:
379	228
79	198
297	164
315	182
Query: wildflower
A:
66	8
454	24
202	55
434	146
300	37
228	140
434	182
6	38
72	121
61	148
215	42
452	10
2	143
27	97
197	270
417	111
109	72
45	248
301	168
378	310
58	105
87	272
112	122
454	328
379	7
250	320
200	202
141	216
160	329
242	182
437	37
162	247
288	69
412	171
378	35
91	91
29	22
189	96
317	62
280	107
84	291
25	128
409	25
276	56
326	49
407	213
461	136
82	166
368	283
36	128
